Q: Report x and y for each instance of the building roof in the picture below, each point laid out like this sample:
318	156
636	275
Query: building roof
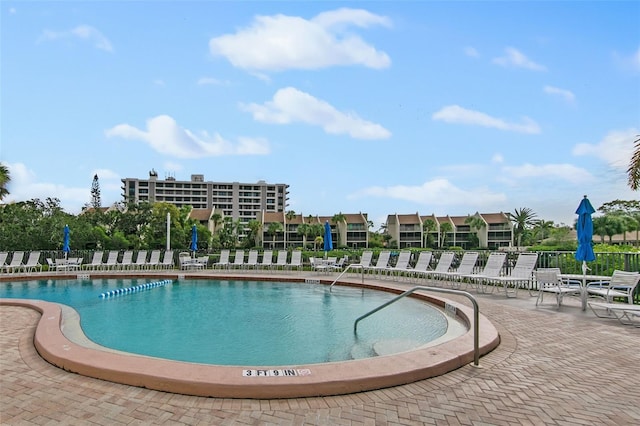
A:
495	217
200	215
269	217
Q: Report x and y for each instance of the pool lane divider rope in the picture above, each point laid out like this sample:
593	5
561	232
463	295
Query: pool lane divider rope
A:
134	289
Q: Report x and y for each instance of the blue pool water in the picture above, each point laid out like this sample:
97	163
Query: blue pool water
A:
238	322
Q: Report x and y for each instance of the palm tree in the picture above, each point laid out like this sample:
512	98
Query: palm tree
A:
522	220
542	229
445	228
634	166
217	219
273	229
475	223
428	227
338	218
4	181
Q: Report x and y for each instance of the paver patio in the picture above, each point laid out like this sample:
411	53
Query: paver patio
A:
552	367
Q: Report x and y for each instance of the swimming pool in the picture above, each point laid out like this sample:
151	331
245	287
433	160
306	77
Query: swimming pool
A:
232	322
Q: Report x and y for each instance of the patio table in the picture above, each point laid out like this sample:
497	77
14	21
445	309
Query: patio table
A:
584	281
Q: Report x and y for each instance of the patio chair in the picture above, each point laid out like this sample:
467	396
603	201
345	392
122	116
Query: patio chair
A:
252	260
549	281
267	260
238	260
33	262
421	266
127	260
141	260
465	268
381	263
281	260
365	261
621	285
223	262
444	263
401	266
96	261
296	260
16	262
167	260
3	259
112	260
521	274
626	313
154	260
491	269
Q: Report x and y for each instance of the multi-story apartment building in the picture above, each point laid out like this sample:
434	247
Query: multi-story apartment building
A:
240	201
352	230
492	230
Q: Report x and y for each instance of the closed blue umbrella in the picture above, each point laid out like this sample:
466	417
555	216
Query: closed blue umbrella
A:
66	248
328	240
194	239
584	228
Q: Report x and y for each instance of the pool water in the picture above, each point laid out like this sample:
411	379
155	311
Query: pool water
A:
249	323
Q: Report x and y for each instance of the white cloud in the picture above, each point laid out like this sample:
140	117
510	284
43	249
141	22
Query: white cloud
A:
437	192
205	81
628	61
515	58
25	186
472	52
159	82
455	114
290	105
165	136
615	149
567	95
12	11
565	172
280	42
84	32
497	159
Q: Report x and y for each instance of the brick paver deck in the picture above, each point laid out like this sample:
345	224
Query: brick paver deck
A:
552	367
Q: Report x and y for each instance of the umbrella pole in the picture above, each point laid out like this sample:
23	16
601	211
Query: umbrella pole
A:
584	285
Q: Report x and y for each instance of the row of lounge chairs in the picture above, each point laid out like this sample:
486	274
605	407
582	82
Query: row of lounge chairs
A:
18	262
250	261
143	260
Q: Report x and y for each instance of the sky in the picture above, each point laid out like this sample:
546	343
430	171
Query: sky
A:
380	107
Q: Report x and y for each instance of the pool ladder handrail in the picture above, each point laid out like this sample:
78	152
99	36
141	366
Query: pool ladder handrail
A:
476	313
355	266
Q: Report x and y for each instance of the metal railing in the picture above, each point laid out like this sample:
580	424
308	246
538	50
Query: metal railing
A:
476	314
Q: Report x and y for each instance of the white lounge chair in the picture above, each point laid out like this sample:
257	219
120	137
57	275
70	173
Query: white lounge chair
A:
96	261
154	260
621	285
296	260
401	266
281	260
381	263
112	261
267	259
223	262
421	266
33	262
252	260
238	260
491	269
16	262
465	268
141	260
520	275
365	261
127	260
444	263
549	281
626	313
167	260
3	259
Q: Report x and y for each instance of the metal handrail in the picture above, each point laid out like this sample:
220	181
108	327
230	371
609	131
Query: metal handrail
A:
476	314
355	265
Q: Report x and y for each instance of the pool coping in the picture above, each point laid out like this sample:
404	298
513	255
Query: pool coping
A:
334	378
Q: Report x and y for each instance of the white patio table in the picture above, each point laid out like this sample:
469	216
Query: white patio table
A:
584	281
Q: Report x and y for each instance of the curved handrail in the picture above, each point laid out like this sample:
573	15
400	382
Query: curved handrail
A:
355	265
476	313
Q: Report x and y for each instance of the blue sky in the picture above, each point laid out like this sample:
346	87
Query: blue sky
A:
379	107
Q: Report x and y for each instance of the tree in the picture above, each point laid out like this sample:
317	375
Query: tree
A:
522	220
303	231
428	227
217	220
608	225
476	223
254	230
634	166
290	215
273	229
338	218
445	228
5	178
96	202
542	229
